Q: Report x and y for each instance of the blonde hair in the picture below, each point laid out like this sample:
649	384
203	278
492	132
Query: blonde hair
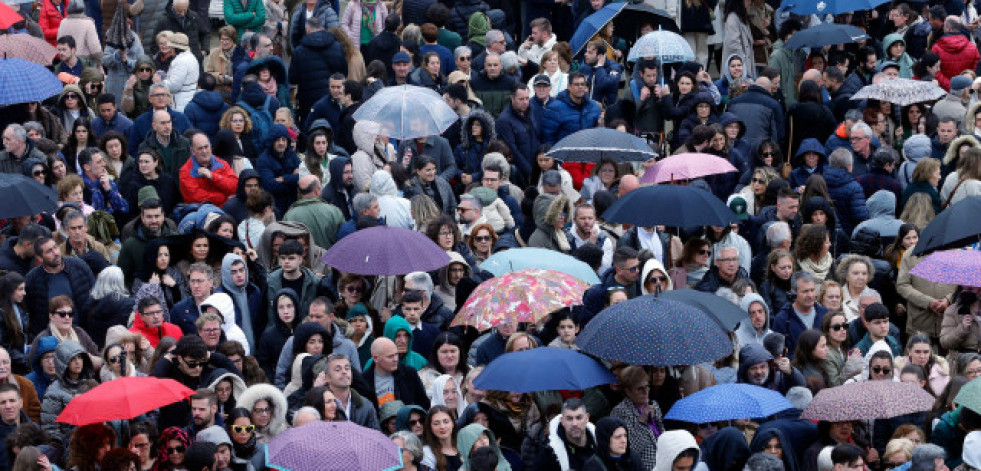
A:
514	338
918	210
896	445
828	284
226	119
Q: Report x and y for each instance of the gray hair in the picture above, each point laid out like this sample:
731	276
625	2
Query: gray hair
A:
778	233
846	264
720	248
19	132
411	442
494	36
109	282
421	281
509	60
34	126
884	156
362	201
800	397
159	87
551	178
853	115
461	50
305	409
824	459
763	461
477	205
924	457
800	276
70	215
860	126
76	6
840	158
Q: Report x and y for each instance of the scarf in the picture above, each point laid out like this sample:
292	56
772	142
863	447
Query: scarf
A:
72	335
246	450
820	268
269	87
368	13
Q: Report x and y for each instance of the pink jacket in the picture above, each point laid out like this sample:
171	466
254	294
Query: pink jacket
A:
351	22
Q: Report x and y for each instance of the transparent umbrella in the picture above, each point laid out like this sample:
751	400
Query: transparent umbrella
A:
407	111
665	45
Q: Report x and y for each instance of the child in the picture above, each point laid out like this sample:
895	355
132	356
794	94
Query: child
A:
567	329
424	333
877	322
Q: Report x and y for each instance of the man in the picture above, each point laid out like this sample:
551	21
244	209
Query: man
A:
149	226
247	298
109	119
433	310
787	61
330	106
857	328
17	148
803	313
954	105
625	273
55	276
192	365
758	325
149	322
279	168
80	243
385	45
571	111
366	208
145	123
571	439
457	98
648	117
68	60
207	106
399	330
292	274
305	415
351	100
946	133
436	147
322	312
422	334
757	367
208	326
174	149
401	66
185	313
11	416
496	44
849	200
491	85
848	457
204	411
340	191
390	380
762	115
430	43
518	127
495	178
206	177
862	147
788	204
839	103
602	75
777	236
540	41
882	167
357	409
725	272
584	231
469	213
957	52
258	46
101	191
317	57
542	88
323	219
491	345
17	253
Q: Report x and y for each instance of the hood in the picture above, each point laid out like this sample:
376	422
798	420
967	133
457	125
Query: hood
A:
725	73
486	195
605	428
288	329
145	61
296	374
245	175
226	270
336	167
748	300
210	101
972	450
951	156
275	65
364	135
214	434
402	416
889	40
917	147
27	167
318	40
702	97
880	345
486	122
277	400
810	145
498	19
308	329
64	353
477	28
90	74
238	384
444	283
397	323
953	44
466	438
750	355
253	96
44	345
815	203
276	131
882	204
725	447
69	88
290	228
323	125
728	118
309	370
649	266
382	184
671	444
763	436
496	158
223	303
541	206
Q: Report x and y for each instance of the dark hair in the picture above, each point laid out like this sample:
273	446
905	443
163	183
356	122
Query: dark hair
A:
216	223
876	311
739	9
291	247
412	297
200	455
430	439
12	325
809	92
846	454
119	458
421	161
392	22
355	89
192	346
105	98
438	14
448	338
788	27
810	241
376	69
700	135
576	74
146	302
804	351
67	40
207	82
114	135
258	201
85	443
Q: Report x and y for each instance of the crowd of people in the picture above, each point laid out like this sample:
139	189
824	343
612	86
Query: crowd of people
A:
199	188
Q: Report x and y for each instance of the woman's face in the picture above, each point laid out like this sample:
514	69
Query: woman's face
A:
450	395
199	249
521	344
61	318
262	413
227	42
432	65
226	230
607	173
175	452
484	241
352	292
140	444
759	184
718	141
857	276
783	268
617	298
767	154
914	114
703	110
774	448
330	405
684	85
114	149
240	434
449	356
811	159
264	75
552	64
639	393
821	349
840	432
736	68
237	123
428	173
656	280
38	173
19	292
223	390
912	237
919	353
702	256
315	345
163	45
75	195
58	168
116	360
442	426
973	370
320	145
445	237
81	134
476	129
545	162
567	330
935	178
826	247
285	309
147	164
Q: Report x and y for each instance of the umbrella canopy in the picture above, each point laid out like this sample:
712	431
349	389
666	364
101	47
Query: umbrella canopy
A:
627	24
953	267
8	16
27	47
512	260
333	446
407	111
867	400
824	7
651	331
23	81
384	250
122	399
667	46
724	313
118	35
970	395
593	24
901	92
523	296
670	205
825	34
591	145
687	166
955	227
728	402
543	369
24	196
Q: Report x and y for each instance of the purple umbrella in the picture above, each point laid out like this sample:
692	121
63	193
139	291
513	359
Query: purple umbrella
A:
955	267
330	446
384	250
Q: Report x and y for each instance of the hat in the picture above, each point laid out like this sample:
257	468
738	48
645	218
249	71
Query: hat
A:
401	56
358	310
960	82
145	193
738	205
390	409
179	41
542	80
882	66
552	178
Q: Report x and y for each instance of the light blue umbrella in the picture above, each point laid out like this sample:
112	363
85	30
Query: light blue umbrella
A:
519	259
826	7
666	46
407	112
728	402
593	24
23	81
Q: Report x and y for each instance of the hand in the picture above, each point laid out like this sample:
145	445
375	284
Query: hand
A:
783	364
703	76
873	454
204	172
618	54
899	132
145	344
854	353
131	81
105	183
252	254
155	279
43	463
466	178
966	321
157	77
321	380
169	281
934	305
280	179
645	93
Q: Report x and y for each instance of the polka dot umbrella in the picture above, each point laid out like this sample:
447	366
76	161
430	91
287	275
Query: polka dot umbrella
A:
867	400
650	331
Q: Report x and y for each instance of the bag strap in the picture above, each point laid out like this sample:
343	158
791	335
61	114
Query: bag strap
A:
952	193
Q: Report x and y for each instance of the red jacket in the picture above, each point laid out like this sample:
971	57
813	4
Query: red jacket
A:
50	20
154	335
957	54
217	189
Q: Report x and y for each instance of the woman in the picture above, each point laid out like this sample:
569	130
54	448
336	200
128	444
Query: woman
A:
74	371
15	325
426	182
546	163
654	278
817	210
424	211
550	66
481	242
165	52
412	451
476	133
320	151
447	358
322	399
912	114
773	441
234	142
855	272
439	435
960	329
776	284
200	249
703	113
446	234
227	388
679	104
71	190
146	172
829	295
116	364
219	60
926	177
966	181
908	236
604	177
918	211
809	358
160	269
121	64
61	311
171	451
115	146
475	436
89	445
812	251
739	36
80	138
111	304
734	71
754	191
142	436
809	118
373	154
242	432
693	264
81	27
430	74
640	414
71	106
267	406
445	391
362	20
355	60
919	351
136	91
287	306
519	411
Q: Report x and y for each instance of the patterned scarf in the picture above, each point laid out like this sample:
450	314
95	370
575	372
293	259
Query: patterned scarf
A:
368	12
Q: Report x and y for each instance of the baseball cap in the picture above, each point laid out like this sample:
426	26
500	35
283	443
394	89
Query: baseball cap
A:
542	80
401	56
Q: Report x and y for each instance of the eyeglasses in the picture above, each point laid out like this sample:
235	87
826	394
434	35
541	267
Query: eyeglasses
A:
657	279
460	209
729	259
194	364
881	370
211	331
705	252
64	314
463	58
837	327
38	173
354	289
71	96
261	410
243	428
159	95
482	238
176	449
415	422
117	358
445	234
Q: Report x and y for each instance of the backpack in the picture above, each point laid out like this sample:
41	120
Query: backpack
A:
193	216
867	242
262	120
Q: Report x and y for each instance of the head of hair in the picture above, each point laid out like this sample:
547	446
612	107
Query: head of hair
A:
925	456
847	454
191	346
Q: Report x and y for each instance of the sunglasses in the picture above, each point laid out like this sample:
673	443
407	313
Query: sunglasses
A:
657	279
705	252
415	422
71	96
482	238
38	173
464	58
243	428
882	370
64	314
144	69
176	449
837	327
354	289
117	358
194	364
759	180
768	154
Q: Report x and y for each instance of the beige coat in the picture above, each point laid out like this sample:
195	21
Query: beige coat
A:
918	293
953	335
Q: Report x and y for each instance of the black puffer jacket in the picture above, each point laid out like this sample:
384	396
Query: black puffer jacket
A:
460	15
318	56
80	279
106	312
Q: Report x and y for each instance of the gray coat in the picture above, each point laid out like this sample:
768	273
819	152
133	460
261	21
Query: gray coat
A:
438	148
414	187
62	391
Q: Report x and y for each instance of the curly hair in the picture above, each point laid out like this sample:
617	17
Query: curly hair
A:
810	242
226	119
847	262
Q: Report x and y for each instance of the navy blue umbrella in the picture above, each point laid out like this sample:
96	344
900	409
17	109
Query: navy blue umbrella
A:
651	331
955	227
24	196
670	205
543	369
592	25
728	402
23	81
591	145
826	34
824	7
724	313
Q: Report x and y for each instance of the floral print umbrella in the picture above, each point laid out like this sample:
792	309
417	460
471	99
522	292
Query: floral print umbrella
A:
523	296
867	400
955	267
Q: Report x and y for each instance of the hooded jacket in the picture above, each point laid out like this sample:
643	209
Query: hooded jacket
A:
235	205
274	337
447	292
754	354
37	376
547	211
411	359
555	454
671	444
651	265
882	216
366	160
467	437
323	220
840	242
317	56
563	117
335	192
408	386
205	110
226	309
848	196
800	174
271	166
725	448
470	153
957	53
462	13
63	389
196	188
290	229
277	401
395	210
904	61
763	437
246	297
746	334
723	83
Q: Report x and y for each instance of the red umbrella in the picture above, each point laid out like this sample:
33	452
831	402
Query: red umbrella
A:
123	399
8	16
686	166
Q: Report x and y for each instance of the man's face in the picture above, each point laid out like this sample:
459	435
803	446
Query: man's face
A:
336	88
339	373
787	208
265	47
880	369
520	100
202	413
11	143
65	53
868	66
542	91
152	219
860	142
757	315
492	65
281	144
574	422
290	263
191	366
591	56
240	274
318	313
630	271
650	77
200	284
152	316
412	312
387	358
585	220
491	180
348	175
10	406
891	72
466	212
107	111
50	254
202	150
401	70
97	167
223	457
578	88
946	132
163	125
463	62
76	230
728	263
683	464
180	9
538	35
758	373
879	328
211	330
806	295
159	100
402	339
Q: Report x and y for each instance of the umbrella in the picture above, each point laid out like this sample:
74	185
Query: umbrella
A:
670	205
407	111
825	7
651	331
955	227
686	166
508	261
900	91
384	250
593	24
27	196
825	34
8	16
543	369
728	402
970	396
867	400
954	267
724	313
627	24
23	81
333	446
667	46
118	35
25	46
123	399
591	145
523	296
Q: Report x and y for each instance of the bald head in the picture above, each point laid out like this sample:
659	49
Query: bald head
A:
380	345
309	186
386	356
628	183
764	82
813	75
162	124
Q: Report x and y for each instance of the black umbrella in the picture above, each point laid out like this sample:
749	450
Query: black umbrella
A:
118	35
724	313
591	145
955	227
24	196
627	23
670	205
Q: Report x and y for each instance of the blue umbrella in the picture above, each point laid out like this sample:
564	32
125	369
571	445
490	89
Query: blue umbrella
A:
592	25
543	369
518	259
591	145
825	7
670	205
24	196
23	81
826	34
724	313
650	331
728	402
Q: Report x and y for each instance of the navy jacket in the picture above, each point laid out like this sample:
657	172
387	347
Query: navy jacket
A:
754	354
787	323
119	123
849	198
317	57
205	110
761	114
521	135
563	117
604	81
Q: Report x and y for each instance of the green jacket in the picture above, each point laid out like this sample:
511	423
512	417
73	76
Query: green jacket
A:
948	435
466	438
322	219
412	359
905	61
245	19
789	64
274	283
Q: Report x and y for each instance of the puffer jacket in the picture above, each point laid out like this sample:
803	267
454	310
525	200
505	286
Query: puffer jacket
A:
520	133
460	15
182	79
366	160
205	110
322	10
317	56
277	401
957	53
761	114
496	211
250	18
351	21
393	208
272	166
50	19
469	154
547	210
62	391
849	198
563	117
37	375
